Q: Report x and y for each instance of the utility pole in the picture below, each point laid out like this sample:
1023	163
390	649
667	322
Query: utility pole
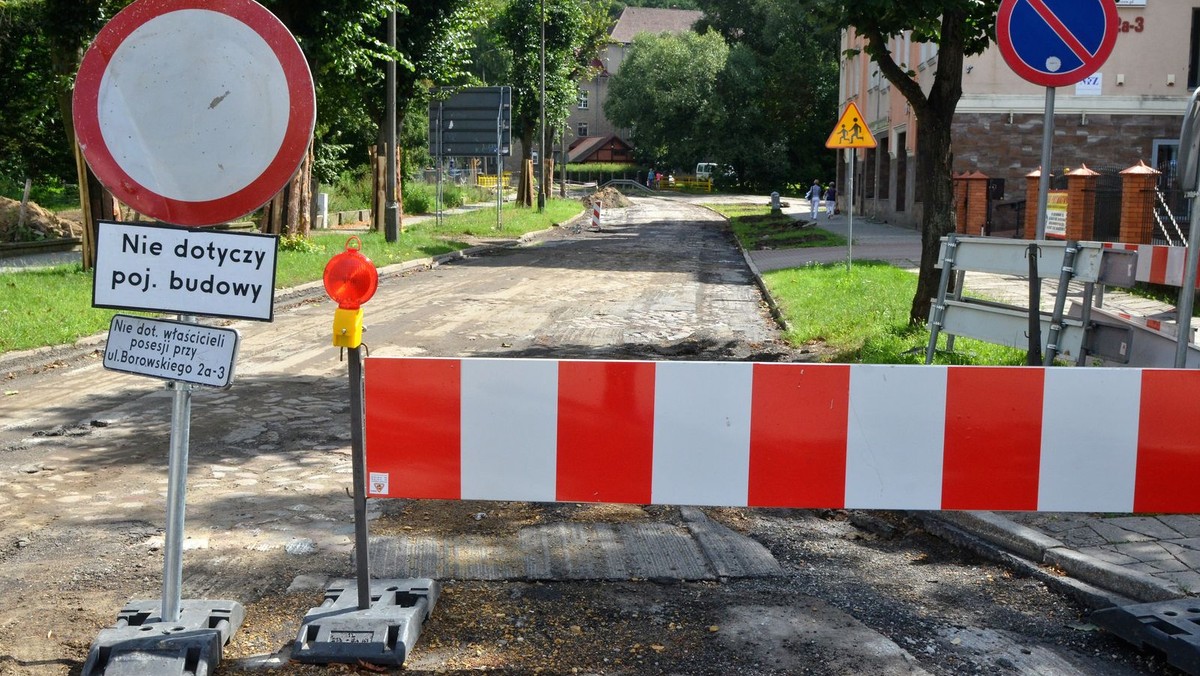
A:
541	202
391	210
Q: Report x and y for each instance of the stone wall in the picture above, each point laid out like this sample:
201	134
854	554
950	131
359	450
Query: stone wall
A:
989	143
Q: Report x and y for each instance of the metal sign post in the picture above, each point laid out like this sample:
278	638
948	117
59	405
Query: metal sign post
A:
850	210
181	425
851	133
193	114
1189	155
1044	177
473	122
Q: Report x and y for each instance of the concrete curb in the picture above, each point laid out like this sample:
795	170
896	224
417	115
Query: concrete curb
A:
1139	586
1091	596
1022	540
1041	549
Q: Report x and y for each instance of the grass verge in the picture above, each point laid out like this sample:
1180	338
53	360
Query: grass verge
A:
53	306
757	228
861	316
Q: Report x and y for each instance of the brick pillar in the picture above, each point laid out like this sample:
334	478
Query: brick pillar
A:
977	203
1137	203
1031	201
960	203
1081	203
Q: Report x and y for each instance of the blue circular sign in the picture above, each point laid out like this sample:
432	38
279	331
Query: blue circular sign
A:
1056	42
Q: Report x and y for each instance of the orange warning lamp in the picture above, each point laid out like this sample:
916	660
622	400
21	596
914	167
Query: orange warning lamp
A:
350	280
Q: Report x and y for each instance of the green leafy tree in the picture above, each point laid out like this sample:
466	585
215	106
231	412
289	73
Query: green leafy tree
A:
960	28
792	59
664	94
345	43
567	51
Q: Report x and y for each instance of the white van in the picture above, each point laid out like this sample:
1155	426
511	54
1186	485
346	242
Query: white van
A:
705	170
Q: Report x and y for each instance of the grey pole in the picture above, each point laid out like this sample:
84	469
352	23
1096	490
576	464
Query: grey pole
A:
1187	294
1189	152
542	143
358	468
1044	179
391	210
177	461
850	210
499	163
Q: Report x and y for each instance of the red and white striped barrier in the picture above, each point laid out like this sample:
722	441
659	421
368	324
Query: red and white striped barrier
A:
595	216
1157	264
784	435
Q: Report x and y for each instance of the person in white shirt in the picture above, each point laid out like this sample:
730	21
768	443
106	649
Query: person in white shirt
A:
814	197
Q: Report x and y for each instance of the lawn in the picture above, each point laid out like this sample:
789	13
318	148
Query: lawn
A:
861	316
757	228
53	306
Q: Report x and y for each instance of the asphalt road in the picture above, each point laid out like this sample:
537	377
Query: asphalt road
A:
83	482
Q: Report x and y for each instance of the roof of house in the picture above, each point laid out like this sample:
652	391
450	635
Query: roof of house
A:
585	147
636	20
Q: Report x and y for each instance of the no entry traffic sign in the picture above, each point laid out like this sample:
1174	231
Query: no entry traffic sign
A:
1056	42
194	112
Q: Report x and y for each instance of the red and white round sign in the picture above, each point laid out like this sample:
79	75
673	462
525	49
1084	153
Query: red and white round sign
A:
194	112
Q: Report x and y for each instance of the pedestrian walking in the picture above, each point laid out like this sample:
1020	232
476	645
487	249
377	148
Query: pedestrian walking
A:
830	200
814	197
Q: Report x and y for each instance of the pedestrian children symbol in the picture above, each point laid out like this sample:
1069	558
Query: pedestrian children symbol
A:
853	134
850	132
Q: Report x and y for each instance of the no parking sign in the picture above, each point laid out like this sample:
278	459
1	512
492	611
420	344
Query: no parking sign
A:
1056	42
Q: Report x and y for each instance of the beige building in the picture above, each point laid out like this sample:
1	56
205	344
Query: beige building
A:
1129	111
590	135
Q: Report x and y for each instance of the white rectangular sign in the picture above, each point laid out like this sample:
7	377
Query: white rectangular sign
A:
162	348
1091	85
1056	214
185	270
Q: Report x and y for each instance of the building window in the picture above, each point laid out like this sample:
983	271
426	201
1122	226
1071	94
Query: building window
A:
583	99
582	130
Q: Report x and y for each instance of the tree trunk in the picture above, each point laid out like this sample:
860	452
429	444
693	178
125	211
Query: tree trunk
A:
95	201
290	211
935	162
379	188
524	195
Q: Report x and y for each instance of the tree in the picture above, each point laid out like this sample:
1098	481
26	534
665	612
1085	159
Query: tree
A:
778	93
519	31
664	94
960	28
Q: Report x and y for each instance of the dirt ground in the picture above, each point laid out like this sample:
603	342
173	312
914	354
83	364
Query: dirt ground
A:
83	479
39	223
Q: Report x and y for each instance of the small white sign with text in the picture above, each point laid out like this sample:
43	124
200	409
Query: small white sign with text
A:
1091	85
185	270
162	348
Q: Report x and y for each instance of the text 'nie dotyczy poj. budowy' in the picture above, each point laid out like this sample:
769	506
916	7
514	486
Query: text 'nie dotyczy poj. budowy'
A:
225	257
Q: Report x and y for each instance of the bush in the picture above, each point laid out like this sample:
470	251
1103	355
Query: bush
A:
419	198
452	196
351	192
49	193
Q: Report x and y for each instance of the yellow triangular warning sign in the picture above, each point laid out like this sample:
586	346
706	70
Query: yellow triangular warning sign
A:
851	131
